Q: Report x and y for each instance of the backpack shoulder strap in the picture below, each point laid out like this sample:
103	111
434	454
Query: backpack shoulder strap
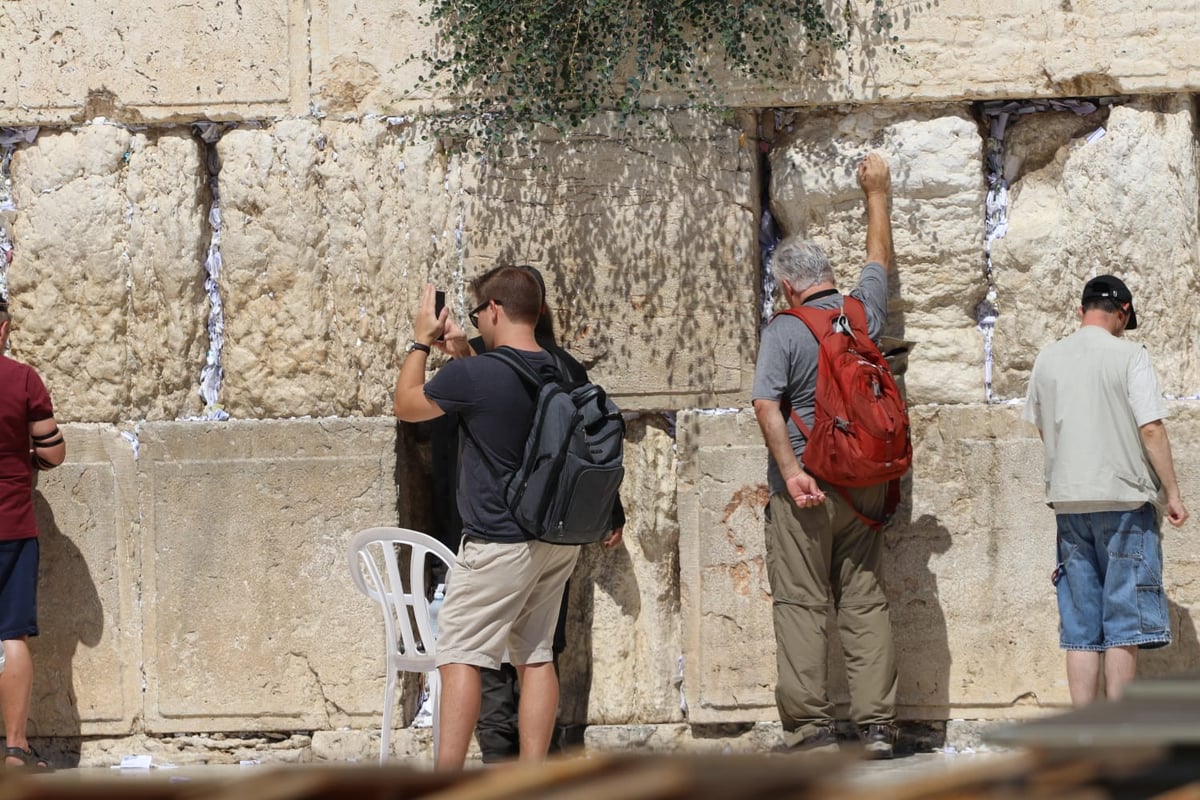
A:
811	317
508	356
820	320
518	365
856	311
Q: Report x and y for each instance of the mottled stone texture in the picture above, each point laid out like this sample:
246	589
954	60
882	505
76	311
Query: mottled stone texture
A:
621	664
152	62
88	676
330	232
729	668
1125	204
648	242
245	577
194	571
355	69
108	287
257	59
935	155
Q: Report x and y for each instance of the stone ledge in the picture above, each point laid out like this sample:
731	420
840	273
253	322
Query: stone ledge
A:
414	746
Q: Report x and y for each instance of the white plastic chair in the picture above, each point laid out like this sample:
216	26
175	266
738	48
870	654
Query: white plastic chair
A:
375	556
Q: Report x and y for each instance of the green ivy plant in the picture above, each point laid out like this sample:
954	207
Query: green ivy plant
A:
514	64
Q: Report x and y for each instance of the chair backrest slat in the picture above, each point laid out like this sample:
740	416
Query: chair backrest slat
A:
405	606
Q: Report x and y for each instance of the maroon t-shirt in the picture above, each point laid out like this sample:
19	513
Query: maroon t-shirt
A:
23	399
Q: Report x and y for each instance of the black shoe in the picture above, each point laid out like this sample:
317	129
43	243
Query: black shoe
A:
878	741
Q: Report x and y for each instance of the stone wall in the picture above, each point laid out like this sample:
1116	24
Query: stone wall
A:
195	582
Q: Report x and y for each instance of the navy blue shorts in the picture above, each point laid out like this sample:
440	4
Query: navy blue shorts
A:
18	588
1109	580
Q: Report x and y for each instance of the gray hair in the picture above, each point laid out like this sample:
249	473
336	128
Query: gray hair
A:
801	263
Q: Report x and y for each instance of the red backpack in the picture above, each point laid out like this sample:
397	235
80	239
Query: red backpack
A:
860	434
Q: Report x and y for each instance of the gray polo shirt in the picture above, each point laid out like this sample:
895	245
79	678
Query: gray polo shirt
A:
1088	395
787	357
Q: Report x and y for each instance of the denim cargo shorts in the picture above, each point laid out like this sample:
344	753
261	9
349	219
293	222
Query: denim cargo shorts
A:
1109	581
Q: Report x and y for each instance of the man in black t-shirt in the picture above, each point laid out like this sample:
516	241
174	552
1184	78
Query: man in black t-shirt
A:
497	730
505	588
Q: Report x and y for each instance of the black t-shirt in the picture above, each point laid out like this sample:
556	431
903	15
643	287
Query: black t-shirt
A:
496	407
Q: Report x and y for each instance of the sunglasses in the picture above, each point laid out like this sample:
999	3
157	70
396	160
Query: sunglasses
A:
475	312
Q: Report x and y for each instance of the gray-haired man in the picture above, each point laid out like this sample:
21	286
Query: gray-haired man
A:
819	551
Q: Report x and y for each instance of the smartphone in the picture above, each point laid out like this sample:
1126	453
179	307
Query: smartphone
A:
439	302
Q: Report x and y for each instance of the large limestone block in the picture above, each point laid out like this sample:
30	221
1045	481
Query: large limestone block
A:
74	62
252	622
88	669
953	50
935	155
648	242
621	664
355	70
968	561
151	62
958	49
1125	204
729	643
107	279
329	233
967	564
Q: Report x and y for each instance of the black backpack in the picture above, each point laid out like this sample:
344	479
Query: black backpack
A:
569	478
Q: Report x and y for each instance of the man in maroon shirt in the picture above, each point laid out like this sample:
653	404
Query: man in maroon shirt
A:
29	440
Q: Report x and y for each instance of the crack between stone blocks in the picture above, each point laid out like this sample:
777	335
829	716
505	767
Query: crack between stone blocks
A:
312	107
9	139
213	372
996	114
768	229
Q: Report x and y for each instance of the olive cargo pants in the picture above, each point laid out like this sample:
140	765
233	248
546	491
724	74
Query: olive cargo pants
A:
817	559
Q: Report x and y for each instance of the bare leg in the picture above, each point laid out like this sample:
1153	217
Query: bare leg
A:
458	713
538	709
1120	668
1083	676
16	687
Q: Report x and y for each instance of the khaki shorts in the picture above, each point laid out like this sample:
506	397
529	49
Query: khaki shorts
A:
501	596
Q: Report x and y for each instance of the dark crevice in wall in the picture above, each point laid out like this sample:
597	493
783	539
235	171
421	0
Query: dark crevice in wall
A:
10	139
997	117
212	373
769	232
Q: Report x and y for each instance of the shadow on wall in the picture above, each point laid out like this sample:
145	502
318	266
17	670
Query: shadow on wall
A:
918	620
650	261
69	614
612	573
1182	656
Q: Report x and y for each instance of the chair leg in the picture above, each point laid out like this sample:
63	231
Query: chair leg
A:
389	701
435	692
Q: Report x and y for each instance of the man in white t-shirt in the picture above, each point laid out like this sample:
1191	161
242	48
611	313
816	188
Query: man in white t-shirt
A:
1095	400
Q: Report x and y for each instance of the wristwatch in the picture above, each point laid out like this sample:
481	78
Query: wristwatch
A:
413	344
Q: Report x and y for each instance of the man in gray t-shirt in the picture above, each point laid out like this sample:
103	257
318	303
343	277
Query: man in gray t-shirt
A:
820	553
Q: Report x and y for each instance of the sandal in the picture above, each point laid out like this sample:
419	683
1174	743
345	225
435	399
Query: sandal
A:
29	759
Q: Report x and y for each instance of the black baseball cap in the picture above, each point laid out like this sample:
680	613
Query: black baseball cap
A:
1110	287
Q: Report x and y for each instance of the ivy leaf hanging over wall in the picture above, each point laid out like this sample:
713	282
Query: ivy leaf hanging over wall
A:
513	64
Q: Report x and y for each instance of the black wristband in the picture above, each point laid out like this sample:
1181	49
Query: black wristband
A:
46	437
